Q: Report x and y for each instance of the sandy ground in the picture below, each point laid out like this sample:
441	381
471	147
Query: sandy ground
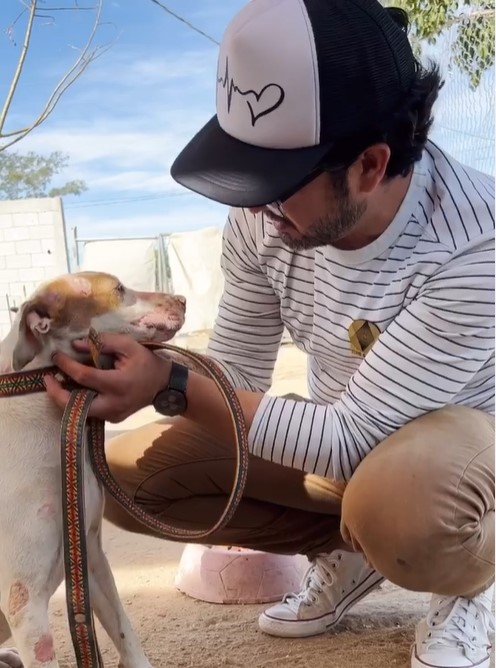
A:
181	632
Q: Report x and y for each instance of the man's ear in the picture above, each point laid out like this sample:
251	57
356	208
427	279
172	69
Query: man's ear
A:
35	322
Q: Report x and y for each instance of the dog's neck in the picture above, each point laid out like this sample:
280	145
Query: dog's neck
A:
42	359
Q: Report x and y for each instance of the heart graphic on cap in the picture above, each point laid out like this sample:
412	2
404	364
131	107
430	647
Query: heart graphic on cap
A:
269	99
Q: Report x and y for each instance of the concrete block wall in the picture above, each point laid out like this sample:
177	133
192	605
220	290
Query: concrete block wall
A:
33	248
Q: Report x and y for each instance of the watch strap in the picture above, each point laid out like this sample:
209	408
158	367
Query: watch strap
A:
178	379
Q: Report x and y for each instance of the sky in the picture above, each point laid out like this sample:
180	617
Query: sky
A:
134	108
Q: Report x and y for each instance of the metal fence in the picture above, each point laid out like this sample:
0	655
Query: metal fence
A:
464	114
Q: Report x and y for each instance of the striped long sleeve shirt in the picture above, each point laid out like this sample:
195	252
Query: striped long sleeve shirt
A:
425	286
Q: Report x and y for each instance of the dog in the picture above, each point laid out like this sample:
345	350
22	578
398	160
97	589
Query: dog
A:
31	544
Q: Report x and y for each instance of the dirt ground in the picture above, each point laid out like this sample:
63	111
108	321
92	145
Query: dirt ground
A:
181	632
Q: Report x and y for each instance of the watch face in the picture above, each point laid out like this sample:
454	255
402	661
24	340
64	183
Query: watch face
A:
170	402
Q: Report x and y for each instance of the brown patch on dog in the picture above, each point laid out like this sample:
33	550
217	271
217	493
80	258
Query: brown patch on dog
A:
18	599
44	651
73	301
76	299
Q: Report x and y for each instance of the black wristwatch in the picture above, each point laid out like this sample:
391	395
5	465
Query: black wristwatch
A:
172	400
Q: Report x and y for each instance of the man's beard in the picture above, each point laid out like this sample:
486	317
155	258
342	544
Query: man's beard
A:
334	226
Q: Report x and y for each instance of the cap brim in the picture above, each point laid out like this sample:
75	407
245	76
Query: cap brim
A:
229	171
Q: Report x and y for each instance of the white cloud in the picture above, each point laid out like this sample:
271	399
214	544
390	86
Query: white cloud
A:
104	143
132	145
129	69
173	219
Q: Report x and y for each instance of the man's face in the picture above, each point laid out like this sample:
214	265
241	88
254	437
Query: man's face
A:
320	214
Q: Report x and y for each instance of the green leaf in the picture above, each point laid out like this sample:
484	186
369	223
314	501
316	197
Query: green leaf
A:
31	174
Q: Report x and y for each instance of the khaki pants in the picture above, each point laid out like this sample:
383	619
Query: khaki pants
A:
420	506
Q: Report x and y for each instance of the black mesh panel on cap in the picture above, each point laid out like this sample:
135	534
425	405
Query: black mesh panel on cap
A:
365	64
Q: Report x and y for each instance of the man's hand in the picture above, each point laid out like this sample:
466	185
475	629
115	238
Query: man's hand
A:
133	383
9	658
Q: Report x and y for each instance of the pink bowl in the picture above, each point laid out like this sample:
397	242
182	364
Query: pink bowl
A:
237	575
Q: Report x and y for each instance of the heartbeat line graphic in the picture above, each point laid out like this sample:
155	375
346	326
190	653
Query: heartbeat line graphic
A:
273	93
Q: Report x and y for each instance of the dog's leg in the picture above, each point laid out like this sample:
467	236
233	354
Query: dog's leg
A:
108	607
27	613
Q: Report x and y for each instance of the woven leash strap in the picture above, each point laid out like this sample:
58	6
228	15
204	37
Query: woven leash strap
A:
77	431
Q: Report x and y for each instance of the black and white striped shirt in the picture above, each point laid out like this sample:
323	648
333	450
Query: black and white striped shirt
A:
427	283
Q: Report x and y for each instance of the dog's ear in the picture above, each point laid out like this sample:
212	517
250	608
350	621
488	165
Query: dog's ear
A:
35	322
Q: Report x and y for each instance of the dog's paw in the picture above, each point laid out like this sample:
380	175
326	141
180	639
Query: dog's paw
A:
9	658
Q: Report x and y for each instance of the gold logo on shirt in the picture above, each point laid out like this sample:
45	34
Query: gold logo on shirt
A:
362	335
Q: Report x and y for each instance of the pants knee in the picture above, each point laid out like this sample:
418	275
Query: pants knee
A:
421	505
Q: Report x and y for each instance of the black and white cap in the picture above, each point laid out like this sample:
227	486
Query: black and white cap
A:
293	77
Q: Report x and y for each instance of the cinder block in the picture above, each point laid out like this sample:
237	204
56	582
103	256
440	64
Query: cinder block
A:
8	275
19	261
25	219
16	234
30	246
41	232
7	248
5	220
42	260
35	274
48	217
48	246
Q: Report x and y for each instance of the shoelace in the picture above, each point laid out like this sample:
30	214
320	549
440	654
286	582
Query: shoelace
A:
456	622
319	575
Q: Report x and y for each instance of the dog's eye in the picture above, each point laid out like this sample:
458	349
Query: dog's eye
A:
120	289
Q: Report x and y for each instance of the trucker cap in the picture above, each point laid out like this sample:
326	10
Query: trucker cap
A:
294	77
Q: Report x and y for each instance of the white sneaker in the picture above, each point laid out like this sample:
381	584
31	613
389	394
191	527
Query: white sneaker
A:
455	633
332	585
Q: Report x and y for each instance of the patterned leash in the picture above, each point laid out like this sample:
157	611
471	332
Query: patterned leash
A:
74	422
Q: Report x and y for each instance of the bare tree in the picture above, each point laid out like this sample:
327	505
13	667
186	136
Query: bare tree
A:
31	13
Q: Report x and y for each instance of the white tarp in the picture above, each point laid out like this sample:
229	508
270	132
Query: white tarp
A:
133	261
194	264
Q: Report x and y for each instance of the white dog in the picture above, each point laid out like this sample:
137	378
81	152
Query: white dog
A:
31	547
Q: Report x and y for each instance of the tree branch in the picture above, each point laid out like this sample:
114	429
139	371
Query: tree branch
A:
86	56
20	65
183	20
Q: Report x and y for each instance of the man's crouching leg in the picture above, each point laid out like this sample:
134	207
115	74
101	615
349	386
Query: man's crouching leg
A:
179	472
421	509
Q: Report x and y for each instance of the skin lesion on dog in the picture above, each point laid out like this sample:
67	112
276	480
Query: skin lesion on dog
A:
44	650
47	511
18	599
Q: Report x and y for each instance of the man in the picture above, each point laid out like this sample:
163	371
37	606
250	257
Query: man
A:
375	250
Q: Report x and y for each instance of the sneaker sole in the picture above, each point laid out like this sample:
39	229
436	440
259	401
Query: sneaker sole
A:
418	663
286	628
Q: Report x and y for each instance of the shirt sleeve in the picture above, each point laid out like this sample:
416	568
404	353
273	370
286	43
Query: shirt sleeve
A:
423	361
248	328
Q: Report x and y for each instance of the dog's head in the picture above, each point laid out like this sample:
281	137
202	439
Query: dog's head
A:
65	308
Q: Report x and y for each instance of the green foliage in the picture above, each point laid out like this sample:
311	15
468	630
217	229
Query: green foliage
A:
30	175
473	48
